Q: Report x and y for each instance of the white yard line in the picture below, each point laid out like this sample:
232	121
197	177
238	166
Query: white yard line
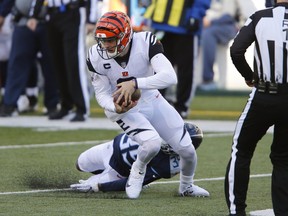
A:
47	145
153	183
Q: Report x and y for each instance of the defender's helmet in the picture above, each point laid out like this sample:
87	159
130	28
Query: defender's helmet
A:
113	26
195	133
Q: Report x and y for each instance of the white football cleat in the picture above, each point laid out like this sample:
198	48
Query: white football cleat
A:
134	183
194	191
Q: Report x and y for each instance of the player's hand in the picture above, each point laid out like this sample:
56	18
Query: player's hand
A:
250	83
122	109
32	24
125	89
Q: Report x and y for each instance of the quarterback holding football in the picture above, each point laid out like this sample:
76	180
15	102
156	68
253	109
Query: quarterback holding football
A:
121	62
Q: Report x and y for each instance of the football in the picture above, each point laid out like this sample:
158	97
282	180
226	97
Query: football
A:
134	97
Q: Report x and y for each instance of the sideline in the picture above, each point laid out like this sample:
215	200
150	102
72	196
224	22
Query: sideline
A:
47	145
41	123
90	142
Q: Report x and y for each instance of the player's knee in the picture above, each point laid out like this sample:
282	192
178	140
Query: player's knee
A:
153	145
81	163
77	166
188	153
149	149
186	150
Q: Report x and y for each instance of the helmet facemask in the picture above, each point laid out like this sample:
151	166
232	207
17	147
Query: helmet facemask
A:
106	53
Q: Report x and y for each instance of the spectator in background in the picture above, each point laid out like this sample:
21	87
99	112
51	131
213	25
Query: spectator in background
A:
5	40
5	9
28	101
220	25
29	38
5	47
66	33
181	24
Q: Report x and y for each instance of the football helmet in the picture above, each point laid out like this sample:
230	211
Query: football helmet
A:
195	133
113	34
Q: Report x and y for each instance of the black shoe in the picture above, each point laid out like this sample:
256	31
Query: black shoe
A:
58	114
50	111
32	103
8	111
79	117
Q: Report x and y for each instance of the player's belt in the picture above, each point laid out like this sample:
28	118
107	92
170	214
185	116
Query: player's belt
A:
272	88
64	8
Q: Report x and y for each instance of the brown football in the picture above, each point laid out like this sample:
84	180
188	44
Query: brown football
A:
134	97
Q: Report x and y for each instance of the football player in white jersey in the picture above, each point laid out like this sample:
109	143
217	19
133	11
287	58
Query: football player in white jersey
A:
111	162
122	62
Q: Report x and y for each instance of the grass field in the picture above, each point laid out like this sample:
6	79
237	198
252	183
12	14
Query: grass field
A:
35	178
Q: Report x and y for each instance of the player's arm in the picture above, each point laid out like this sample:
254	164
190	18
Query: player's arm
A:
242	41
165	75
101	84
103	91
119	185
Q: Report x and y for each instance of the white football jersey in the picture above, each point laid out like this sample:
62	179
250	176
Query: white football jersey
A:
146	63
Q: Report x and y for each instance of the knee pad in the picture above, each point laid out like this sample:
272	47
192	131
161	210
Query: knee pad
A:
149	149
188	154
184	148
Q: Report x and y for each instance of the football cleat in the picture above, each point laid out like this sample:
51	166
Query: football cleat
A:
134	183
194	191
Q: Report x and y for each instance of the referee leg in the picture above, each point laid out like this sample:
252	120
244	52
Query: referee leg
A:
279	159
250	128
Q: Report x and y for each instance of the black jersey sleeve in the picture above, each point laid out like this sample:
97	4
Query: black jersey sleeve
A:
155	46
242	41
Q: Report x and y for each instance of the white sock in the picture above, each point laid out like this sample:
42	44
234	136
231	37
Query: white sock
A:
141	166
185	181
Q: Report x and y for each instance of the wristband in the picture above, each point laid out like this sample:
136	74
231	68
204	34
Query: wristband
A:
136	83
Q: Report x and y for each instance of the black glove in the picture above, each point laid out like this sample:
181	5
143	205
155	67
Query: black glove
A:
193	24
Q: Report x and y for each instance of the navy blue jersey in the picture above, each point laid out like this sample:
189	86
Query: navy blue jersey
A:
125	153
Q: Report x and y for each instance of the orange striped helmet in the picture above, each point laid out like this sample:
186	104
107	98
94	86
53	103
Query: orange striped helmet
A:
113	26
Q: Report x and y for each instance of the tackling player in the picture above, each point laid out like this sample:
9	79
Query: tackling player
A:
121	62
111	162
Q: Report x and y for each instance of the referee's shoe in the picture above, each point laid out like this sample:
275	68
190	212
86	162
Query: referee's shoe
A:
8	111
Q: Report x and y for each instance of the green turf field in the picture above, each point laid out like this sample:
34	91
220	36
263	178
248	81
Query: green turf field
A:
34	178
